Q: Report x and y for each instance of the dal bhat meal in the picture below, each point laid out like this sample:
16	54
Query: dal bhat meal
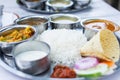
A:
99	54
71	54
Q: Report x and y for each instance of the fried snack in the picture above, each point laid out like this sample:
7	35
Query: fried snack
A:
104	45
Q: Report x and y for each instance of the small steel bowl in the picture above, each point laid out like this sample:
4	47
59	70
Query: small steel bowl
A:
59	5
39	22
32	66
33	3
67	21
8	46
90	32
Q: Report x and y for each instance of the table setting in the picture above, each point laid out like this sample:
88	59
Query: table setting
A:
59	40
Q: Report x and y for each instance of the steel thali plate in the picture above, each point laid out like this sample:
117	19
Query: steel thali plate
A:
45	9
8	64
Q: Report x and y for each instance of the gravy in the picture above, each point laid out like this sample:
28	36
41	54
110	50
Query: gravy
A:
101	24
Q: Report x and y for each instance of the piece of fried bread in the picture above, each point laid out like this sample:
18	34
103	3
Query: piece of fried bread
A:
104	45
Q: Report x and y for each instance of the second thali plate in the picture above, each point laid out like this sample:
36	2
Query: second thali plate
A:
45	9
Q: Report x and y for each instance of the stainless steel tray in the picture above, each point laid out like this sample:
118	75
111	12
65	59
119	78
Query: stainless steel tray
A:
8	64
46	10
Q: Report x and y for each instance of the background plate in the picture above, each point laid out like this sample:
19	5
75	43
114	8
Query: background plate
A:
74	8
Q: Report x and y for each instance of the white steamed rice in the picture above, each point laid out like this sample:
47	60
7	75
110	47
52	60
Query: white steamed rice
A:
65	45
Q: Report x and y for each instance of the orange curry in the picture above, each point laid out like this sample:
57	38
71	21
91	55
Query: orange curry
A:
101	24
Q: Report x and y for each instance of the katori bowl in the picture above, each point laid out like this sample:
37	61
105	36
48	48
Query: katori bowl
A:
67	21
39	22
31	57
12	35
59	5
92	26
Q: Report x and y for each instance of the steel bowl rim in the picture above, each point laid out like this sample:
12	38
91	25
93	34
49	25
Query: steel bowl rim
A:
68	15
90	19
49	49
32	16
38	61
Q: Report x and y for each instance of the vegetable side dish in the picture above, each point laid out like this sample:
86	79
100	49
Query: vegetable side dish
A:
17	35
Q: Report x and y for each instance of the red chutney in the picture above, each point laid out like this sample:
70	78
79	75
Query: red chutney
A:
63	72
98	24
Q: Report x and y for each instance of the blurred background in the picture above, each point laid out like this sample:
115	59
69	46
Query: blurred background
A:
114	3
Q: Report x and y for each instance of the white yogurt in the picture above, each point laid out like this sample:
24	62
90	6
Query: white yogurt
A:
31	55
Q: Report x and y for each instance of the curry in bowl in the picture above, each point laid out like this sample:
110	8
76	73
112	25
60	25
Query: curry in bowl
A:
17	35
97	24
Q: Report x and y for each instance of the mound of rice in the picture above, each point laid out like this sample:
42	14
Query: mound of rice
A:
65	45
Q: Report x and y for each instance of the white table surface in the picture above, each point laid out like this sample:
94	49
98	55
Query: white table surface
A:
99	9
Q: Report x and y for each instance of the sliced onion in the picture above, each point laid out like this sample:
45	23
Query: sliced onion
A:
86	63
